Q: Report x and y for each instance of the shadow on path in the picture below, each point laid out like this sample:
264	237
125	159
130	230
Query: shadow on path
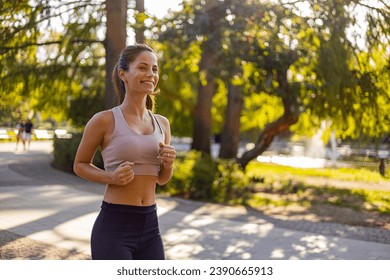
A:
46	204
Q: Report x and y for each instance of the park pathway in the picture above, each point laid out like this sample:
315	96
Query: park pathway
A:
44	205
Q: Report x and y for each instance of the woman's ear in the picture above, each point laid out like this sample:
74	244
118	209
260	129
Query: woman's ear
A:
121	75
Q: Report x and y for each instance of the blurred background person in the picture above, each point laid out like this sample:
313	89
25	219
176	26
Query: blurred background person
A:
28	133
19	134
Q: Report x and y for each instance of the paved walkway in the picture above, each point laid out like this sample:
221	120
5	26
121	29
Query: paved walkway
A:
51	206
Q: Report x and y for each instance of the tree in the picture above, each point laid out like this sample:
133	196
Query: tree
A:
345	89
199	26
209	20
64	58
230	135
233	75
140	17
115	42
275	53
339	80
70	44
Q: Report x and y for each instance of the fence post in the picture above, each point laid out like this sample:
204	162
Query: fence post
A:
382	167
382	164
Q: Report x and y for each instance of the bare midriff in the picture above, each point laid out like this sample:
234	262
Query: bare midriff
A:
140	192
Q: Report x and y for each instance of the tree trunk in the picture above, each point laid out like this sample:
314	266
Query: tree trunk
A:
116	11
230	136
202	112
266	137
140	26
280	125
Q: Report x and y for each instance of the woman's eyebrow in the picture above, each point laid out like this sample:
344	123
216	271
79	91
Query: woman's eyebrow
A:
145	63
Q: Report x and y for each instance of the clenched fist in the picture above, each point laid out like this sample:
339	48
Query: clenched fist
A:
123	174
167	155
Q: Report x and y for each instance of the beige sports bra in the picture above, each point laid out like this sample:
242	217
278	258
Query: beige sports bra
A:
126	145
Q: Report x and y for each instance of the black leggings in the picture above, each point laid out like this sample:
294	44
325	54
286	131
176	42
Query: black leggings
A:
125	232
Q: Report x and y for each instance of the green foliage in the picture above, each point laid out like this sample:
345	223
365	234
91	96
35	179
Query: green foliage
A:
260	109
65	151
193	176
177	83
219	105
230	184
198	176
58	71
44	65
204	170
180	183
83	107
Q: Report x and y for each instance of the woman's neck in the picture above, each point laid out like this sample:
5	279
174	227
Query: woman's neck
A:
135	107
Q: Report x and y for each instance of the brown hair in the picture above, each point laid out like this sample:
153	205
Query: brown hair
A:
127	56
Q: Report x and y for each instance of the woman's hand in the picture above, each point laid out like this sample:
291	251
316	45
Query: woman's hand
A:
123	174
167	155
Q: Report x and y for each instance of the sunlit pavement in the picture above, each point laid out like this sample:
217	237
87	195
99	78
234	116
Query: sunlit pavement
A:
48	205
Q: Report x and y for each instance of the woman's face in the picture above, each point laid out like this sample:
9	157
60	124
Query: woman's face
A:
142	75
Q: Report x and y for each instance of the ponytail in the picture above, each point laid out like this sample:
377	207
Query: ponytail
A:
149	102
119	85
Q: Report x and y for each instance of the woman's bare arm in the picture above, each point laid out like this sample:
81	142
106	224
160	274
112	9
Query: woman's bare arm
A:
96	133
167	154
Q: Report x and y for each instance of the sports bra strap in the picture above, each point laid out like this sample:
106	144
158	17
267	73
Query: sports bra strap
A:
158	123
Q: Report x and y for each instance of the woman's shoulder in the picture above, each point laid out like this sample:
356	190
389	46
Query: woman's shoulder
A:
162	119
164	123
102	118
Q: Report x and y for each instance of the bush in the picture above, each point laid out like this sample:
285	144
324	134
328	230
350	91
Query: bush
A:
180	183
193	176
231	183
198	176
204	171
65	151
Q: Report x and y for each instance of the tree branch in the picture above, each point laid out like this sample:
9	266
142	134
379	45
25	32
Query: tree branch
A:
357	2
4	50
34	21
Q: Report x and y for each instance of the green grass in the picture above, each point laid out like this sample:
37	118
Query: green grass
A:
306	196
285	186
256	169
269	185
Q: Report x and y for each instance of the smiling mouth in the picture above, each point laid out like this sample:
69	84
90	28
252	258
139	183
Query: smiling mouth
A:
148	82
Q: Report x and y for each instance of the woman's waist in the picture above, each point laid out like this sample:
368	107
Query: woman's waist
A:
140	191
139	182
